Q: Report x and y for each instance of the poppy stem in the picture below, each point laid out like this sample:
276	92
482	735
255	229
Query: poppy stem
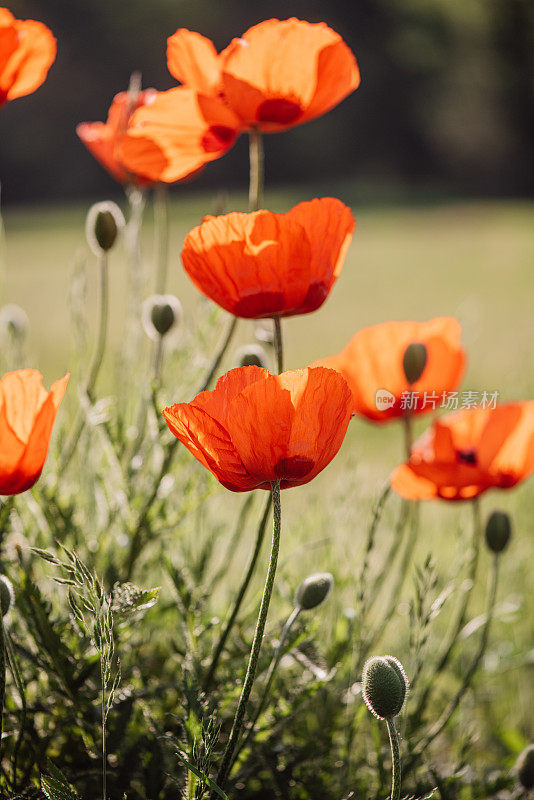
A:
2	677
255	191
256	642
408	434
395	759
215	364
161	220
240	596
102	328
278	344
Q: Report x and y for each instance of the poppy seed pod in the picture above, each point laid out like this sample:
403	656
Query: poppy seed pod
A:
525	767
14	321
498	531
251	355
414	361
384	686
104	223
160	314
314	590
6	594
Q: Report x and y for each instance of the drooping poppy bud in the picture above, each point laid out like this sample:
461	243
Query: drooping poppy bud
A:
525	767
414	361
384	686
314	590
14	321
160	314
6	594
105	221
251	355
498	531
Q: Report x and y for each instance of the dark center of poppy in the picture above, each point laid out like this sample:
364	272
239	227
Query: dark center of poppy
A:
217	137
293	468
278	110
317	294
262	304
466	456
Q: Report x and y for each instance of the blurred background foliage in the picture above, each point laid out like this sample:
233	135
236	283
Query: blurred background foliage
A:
445	104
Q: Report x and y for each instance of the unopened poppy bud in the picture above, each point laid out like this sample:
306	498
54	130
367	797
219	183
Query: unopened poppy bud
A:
498	531
251	355
414	361
314	590
14	321
160	314
525	767
104	223
6	594
384	686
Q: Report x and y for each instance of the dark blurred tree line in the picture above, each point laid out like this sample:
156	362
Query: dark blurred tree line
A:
446	100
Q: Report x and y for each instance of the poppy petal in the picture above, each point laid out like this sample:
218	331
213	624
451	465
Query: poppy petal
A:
192	59
28	67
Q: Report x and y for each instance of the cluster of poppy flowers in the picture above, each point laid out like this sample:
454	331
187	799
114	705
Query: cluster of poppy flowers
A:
255	428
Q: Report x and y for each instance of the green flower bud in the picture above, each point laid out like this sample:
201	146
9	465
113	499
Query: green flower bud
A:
498	531
525	767
104	223
384	686
251	355
414	361
160	314
14	321
314	590
7	594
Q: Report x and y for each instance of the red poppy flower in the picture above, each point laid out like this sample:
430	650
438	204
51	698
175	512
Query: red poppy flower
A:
102	138
254	428
27	51
277	75
264	264
372	364
468	452
27	414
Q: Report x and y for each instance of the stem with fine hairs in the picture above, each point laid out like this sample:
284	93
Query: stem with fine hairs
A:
256	642
278	344
395	759
255	190
161	226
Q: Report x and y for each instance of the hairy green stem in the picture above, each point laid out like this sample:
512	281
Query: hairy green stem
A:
255	190
395	759
161	229
278	344
2	677
240	596
408	434
219	355
256	642
370	541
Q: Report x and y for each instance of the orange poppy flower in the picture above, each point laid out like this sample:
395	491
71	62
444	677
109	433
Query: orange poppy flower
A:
468	452
254	428
27	51
263	264
102	138
372	364
277	75
27	414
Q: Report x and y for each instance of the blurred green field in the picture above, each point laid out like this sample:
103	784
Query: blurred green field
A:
472	260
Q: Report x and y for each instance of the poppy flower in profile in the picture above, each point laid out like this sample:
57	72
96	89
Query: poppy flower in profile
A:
103	138
27	414
278	74
27	51
373	366
263	264
254	428
468	452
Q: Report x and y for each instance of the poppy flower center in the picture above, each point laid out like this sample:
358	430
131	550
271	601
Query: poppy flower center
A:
217	137
262	304
278	110
293	468
466	456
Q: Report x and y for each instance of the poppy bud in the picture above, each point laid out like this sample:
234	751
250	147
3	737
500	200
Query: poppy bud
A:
14	321
264	333
414	361
104	223
384	686
525	767
6	594
160	314
251	355
498	531
314	590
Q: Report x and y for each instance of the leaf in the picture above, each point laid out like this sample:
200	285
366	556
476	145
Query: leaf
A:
208	781
56	786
